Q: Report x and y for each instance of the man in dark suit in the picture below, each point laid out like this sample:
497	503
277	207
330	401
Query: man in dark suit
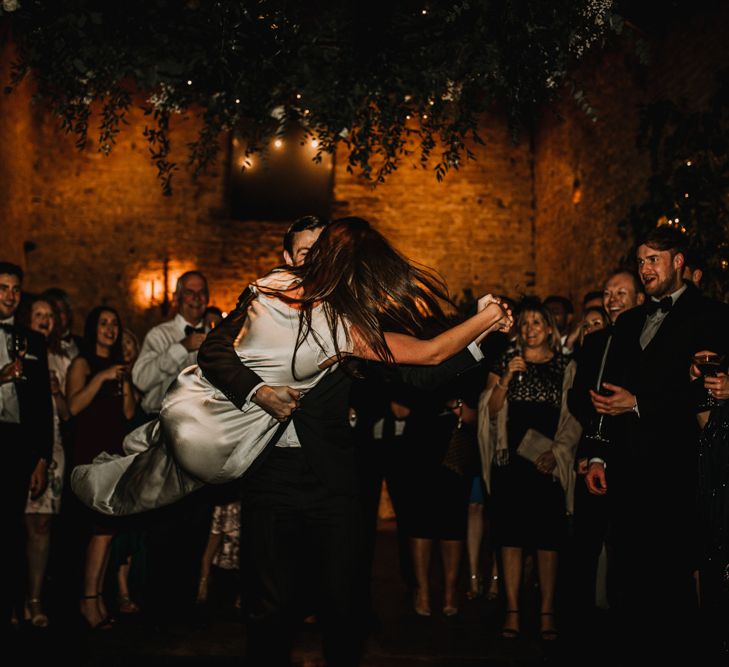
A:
26	427
622	291
649	466
300	502
303	500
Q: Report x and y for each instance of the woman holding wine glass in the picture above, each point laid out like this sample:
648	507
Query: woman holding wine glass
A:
713	497
101	400
528	502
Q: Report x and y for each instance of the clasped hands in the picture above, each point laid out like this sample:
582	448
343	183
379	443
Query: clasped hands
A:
504	323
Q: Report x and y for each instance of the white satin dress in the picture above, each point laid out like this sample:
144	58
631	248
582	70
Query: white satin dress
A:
200	436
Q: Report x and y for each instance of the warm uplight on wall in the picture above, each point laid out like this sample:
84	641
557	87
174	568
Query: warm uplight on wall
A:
148	287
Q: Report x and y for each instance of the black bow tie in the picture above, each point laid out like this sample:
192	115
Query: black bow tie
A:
191	330
664	305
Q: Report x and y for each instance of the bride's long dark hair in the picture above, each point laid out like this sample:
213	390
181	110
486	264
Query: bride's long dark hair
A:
359	278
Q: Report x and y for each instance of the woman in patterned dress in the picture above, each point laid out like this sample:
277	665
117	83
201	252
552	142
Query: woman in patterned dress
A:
42	316
527	500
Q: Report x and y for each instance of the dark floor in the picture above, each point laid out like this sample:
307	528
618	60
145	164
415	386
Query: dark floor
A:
216	637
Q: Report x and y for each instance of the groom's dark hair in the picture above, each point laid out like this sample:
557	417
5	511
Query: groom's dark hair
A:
301	225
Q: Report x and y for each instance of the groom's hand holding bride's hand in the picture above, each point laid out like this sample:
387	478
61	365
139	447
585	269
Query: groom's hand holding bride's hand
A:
279	402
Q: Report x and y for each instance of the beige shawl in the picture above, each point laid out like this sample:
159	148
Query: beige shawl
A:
492	440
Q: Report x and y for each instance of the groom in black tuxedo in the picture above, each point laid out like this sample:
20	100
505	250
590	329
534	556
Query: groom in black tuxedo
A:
300	503
26	430
649	466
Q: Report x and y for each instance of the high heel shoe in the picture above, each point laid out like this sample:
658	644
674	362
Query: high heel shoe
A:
34	613
508	632
420	610
548	635
126	605
475	589
104	624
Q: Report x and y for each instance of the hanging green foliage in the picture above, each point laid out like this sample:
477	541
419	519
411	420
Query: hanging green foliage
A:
369	74
689	183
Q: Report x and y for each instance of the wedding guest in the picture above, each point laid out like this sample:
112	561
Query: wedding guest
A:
651	459
101	399
693	270
527	499
129	543
713	515
563	313
176	538
26	430
171	346
41	316
70	343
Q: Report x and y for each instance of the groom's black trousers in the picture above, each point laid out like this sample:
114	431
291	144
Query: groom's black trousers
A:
296	534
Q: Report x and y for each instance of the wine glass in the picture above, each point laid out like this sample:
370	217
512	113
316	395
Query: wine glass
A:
708	364
17	349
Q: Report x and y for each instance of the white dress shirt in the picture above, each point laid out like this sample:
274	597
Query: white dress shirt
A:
160	361
9	406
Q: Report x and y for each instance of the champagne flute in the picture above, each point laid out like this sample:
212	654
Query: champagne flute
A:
519	375
17	349
596	435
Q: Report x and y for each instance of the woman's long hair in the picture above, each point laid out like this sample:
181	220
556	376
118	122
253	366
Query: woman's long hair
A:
91	326
359	278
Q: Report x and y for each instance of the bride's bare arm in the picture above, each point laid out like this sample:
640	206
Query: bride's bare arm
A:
410	350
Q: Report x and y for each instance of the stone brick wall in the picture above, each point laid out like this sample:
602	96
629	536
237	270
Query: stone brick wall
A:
100	227
475	227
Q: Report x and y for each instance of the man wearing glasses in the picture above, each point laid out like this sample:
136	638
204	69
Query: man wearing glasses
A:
171	346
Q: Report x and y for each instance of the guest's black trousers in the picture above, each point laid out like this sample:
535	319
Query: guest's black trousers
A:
296	535
19	465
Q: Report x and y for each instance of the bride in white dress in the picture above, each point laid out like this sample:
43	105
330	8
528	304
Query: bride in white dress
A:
299	325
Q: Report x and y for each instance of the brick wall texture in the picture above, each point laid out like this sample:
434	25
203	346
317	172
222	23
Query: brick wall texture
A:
508	222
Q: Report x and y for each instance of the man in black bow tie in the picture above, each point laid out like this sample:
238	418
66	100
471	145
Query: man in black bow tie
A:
648	468
26	431
177	535
171	346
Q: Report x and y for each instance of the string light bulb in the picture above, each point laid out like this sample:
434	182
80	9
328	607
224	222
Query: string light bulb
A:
688	163
278	143
298	96
314	143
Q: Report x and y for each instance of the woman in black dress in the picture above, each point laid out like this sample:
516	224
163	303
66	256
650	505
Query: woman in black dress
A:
101	400
713	512
528	503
